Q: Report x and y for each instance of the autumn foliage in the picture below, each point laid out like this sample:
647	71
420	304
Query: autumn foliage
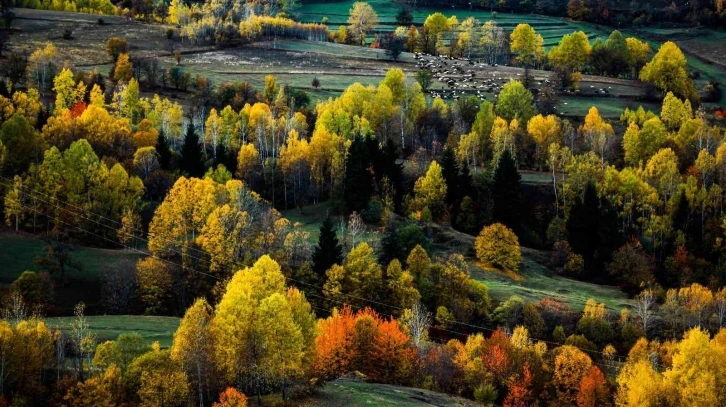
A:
364	342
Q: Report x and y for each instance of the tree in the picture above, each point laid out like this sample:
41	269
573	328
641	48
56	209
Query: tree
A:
571	365
424	78
193	346
165	384
22	144
667	71
393	45
644	309
316	83
430	191
358	185
231	398
15	205
191	161
328	251
260	333
583	222
498	246
146	160
577	10
67	92
572	52
527	44
57	258
594	391
598	133
515	102
404	17
115	46
361	21
505	192
155	283
675	112
641	144
519	392
545	130
123	70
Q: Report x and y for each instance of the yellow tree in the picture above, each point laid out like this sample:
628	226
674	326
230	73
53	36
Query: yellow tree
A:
571	365
123	70
545	130
193	346
667	71
66	90
212	131
255	328
572	52
528	45
430	191
361	21
598	133
498	246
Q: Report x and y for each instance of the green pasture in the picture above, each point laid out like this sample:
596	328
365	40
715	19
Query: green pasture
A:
18	252
347	392
539	282
109	327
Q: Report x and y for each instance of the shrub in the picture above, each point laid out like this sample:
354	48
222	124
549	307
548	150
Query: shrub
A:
575	264
373	213
486	394
498	246
169	33
67	34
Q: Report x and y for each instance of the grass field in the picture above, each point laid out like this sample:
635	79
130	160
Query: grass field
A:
110	327
539	282
345	392
17	253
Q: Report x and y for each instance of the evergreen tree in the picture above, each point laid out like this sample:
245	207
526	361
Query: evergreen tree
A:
192	162
680	217
505	193
328	251
466	181
358	186
393	170
450	171
582	225
162	148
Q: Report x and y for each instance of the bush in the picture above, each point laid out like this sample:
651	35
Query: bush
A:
486	394
575	264
67	34
373	213
498	246
169	33
35	288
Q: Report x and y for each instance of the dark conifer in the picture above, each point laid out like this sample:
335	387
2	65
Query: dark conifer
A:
192	162
328	251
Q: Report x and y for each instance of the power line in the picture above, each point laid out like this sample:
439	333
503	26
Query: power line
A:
473	326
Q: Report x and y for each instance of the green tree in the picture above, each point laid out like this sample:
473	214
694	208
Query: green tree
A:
328	251
515	101
191	162
22	142
505	192
358	185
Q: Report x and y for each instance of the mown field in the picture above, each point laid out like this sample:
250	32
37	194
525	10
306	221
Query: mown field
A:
151	328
